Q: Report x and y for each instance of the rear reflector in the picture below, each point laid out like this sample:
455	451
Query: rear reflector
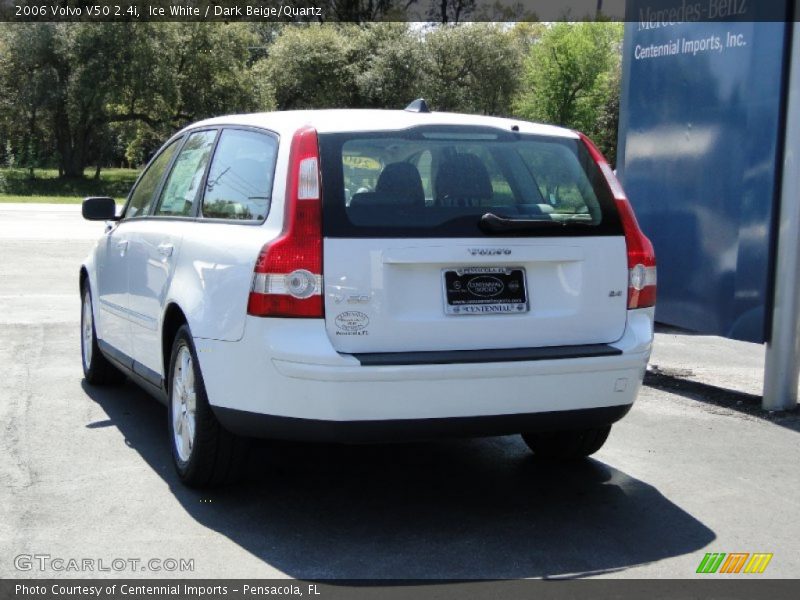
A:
287	281
641	256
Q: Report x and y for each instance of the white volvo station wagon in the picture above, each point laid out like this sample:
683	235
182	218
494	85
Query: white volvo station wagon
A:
371	275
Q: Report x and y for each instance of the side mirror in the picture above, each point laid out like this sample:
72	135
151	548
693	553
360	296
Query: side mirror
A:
99	208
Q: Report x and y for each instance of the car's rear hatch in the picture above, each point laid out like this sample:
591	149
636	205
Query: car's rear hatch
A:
463	238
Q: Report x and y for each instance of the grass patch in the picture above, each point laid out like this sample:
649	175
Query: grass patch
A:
17	186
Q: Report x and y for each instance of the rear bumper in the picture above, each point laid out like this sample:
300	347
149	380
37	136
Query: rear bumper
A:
314	430
283	379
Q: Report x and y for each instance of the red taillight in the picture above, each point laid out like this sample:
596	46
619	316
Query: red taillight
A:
641	256
287	281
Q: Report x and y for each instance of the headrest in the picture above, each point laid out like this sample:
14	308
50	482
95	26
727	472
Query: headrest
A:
463	177
402	179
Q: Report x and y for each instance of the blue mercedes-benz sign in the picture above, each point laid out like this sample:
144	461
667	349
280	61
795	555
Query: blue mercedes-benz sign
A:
701	125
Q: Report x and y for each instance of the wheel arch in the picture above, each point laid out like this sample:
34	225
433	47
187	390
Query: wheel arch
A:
83	277
174	318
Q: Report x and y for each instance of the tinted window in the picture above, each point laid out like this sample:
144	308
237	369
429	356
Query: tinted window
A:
142	197
186	176
562	183
432	182
239	182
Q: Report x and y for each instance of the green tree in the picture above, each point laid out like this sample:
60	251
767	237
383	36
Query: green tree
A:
310	66
472	68
26	89
80	86
605	131
388	60
343	66
567	73
187	72
469	68
211	74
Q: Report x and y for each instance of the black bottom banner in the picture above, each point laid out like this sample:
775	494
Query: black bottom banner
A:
241	589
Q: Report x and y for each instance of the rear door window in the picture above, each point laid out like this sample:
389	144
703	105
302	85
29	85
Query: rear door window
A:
146	187
440	182
185	179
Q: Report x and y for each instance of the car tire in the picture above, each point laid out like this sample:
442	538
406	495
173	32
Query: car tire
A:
97	370
205	454
567	445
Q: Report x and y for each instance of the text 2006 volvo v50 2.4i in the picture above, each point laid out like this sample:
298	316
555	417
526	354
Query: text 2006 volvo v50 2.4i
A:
368	275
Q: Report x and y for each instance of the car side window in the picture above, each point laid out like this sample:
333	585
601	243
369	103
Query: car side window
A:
142	197
185	179
239	184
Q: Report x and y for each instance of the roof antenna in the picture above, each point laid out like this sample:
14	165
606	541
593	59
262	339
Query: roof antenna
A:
418	106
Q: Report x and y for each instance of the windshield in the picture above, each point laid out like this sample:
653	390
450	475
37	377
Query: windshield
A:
432	182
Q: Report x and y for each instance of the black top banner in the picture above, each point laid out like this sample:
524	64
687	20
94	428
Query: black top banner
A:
360	11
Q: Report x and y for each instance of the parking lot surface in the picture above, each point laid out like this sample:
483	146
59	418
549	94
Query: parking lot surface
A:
696	467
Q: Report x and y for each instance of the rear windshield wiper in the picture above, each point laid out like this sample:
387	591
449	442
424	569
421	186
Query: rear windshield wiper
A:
492	223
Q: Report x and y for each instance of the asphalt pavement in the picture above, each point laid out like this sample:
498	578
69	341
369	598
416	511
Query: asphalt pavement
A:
85	473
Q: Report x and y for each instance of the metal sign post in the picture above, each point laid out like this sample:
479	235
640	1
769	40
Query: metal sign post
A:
782	366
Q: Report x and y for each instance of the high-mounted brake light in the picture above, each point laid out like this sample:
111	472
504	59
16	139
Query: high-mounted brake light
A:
641	256
287	281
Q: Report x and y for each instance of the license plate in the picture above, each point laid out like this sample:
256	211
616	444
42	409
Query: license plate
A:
484	290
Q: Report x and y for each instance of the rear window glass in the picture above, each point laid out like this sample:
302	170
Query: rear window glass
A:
437	182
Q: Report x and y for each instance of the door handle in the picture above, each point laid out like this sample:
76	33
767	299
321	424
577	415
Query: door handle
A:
122	246
165	249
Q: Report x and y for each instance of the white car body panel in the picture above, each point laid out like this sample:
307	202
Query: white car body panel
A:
397	285
111	299
214	274
154	246
285	123
291	369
